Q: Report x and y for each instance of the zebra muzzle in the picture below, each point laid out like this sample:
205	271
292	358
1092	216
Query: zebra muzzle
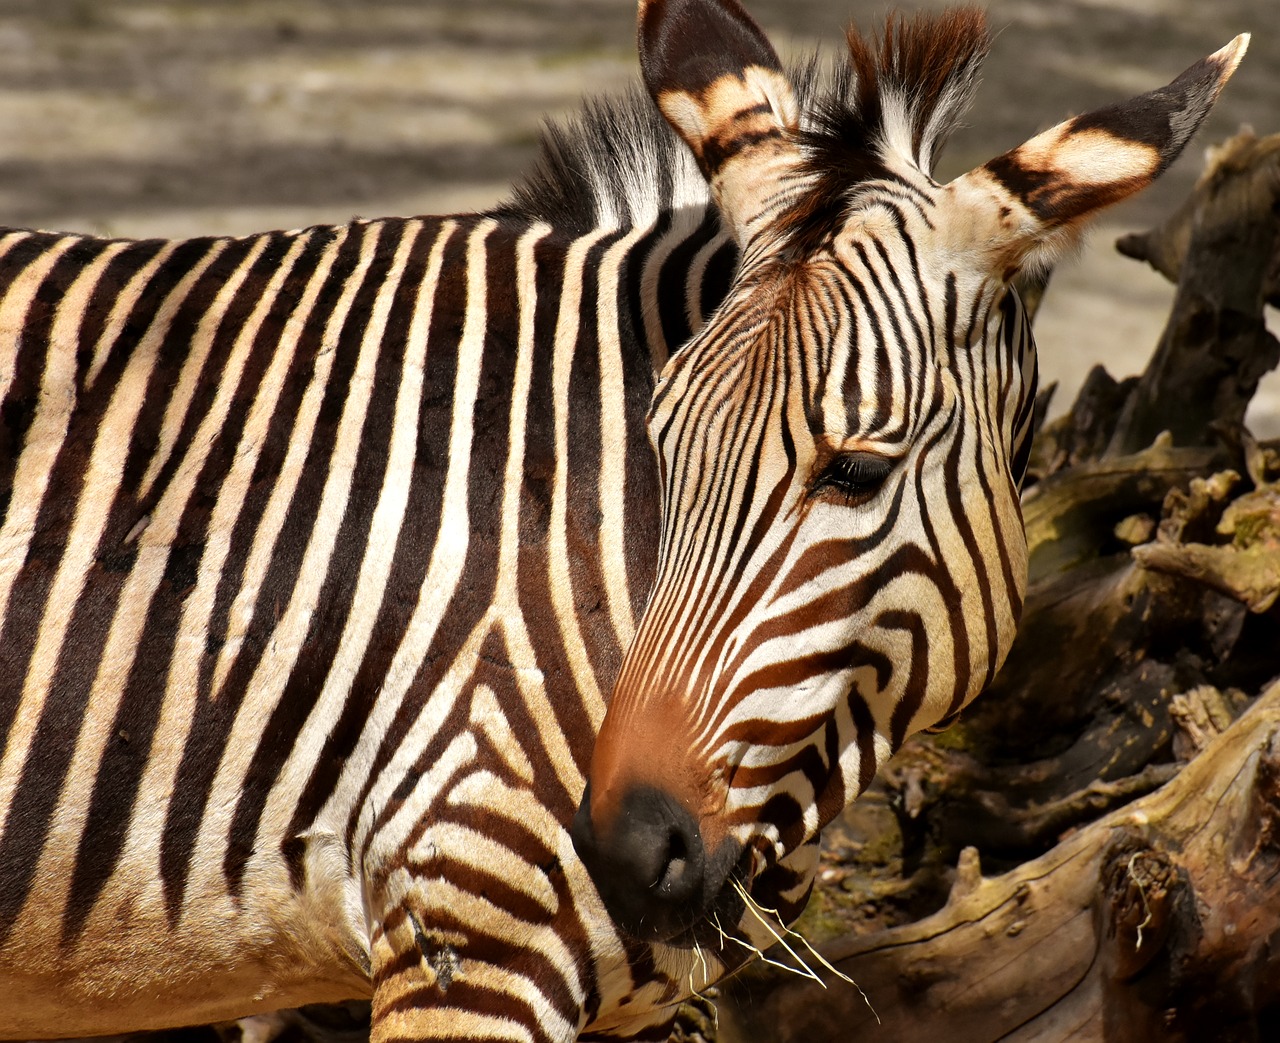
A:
650	865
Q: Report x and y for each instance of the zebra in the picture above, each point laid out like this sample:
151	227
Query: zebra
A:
323	552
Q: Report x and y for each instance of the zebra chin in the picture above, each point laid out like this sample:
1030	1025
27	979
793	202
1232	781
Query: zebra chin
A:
653	872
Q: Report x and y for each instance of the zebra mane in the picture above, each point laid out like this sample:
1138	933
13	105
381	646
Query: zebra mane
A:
902	93
616	164
897	96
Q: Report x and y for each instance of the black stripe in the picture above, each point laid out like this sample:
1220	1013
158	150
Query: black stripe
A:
864	728
34	352
31	586
421	529
641	491
281	429
124	760
213	719
724	452
404	580
917	680
585	524
535	564
896	342
672	284
335	605
53	744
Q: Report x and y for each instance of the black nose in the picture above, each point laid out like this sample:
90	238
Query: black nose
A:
648	863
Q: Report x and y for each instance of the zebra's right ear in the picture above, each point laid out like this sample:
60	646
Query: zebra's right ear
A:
1034	199
719	83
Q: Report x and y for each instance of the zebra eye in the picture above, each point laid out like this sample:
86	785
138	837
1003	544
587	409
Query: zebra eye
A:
857	475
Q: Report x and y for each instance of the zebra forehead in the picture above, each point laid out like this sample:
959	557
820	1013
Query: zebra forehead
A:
848	393
889	108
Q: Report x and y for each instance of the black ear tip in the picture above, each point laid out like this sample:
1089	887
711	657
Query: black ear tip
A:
686	45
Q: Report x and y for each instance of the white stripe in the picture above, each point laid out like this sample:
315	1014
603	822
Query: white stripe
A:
380	549
445	767
613	445
290	632
155	789
102	482
11	331
505	608
48	430
558	557
122	306
272	521
134	604
694	279
443	573
684	224
175	413
513	479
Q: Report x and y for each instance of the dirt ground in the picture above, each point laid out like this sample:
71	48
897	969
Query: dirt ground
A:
177	117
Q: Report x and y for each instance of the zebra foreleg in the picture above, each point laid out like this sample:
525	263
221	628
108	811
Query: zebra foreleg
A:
450	985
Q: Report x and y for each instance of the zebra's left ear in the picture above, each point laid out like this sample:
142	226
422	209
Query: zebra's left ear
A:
719	83
1046	189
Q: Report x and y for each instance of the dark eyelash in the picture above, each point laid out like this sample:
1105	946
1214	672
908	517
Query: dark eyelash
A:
858	475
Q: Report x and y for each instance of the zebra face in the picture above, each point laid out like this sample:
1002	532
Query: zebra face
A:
842	555
842	561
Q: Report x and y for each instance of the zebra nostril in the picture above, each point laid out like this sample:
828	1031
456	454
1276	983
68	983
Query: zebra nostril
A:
673	871
647	862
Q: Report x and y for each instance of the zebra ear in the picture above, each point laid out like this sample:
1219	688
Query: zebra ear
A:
719	83
1046	189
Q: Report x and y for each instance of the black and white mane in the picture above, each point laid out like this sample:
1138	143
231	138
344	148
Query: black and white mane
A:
618	164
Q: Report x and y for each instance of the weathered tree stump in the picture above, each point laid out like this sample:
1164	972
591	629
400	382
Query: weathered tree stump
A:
1157	921
1222	248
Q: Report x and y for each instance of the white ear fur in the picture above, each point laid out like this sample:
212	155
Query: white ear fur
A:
1030	205
739	128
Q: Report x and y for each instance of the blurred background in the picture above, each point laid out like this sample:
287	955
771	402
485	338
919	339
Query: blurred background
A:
182	117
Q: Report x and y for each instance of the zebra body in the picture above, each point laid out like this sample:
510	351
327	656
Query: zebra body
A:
322	551
236	445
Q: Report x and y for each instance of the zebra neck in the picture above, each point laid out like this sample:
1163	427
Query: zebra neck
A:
678	273
282	483
544	493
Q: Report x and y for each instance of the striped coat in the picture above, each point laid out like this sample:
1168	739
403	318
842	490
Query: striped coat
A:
323	552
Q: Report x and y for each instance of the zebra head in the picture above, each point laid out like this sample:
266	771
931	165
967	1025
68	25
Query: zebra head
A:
842	560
